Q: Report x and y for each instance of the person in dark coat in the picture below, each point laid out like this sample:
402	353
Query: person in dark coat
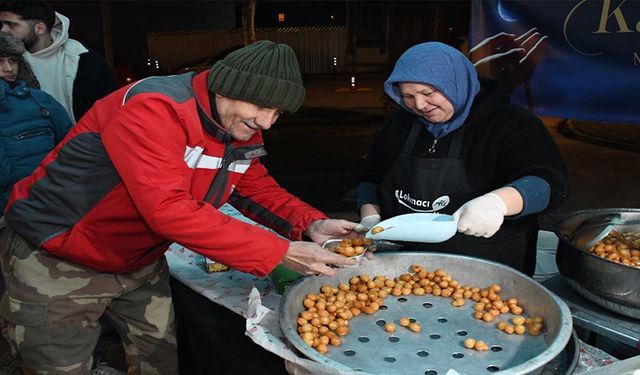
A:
31	124
31	121
458	146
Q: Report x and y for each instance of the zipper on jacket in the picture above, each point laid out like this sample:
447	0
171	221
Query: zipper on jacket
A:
432	149
231	154
223	174
31	134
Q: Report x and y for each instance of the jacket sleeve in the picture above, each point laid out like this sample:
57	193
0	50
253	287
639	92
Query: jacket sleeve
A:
59	118
260	198
527	149
6	177
146	143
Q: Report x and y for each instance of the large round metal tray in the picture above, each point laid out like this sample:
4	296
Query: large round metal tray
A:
608	284
369	349
566	362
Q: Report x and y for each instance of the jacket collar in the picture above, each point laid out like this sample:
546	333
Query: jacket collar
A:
20	89
203	104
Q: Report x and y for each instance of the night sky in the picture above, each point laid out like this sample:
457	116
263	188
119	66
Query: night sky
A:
132	20
129	21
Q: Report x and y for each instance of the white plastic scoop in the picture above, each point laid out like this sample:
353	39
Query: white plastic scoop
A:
418	227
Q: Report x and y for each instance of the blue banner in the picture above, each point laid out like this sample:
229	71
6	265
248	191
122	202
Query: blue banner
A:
572	58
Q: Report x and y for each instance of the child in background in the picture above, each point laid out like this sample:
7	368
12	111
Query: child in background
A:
31	121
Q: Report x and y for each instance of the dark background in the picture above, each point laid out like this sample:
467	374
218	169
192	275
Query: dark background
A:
125	24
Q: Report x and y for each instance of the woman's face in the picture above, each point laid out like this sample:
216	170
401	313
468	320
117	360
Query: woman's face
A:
9	68
426	101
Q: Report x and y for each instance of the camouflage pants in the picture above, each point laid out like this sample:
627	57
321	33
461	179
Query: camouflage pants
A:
53	308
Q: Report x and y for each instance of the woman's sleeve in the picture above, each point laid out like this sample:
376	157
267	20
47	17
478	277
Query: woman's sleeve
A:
527	149
6	168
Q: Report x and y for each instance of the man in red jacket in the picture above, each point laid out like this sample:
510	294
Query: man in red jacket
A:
150	165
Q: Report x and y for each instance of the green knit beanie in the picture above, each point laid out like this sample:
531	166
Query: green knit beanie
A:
264	73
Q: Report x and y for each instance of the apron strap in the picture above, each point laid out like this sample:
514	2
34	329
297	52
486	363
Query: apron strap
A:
455	149
413	136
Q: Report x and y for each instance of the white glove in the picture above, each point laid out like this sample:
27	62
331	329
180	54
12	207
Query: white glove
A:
482	216
367	223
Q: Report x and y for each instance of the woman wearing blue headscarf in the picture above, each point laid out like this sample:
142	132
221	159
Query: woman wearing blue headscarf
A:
458	146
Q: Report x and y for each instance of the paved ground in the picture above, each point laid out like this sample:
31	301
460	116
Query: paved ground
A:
316	153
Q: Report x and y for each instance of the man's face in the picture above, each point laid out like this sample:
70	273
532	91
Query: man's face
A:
243	119
19	28
9	68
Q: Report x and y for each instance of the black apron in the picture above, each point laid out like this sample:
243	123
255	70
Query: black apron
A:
440	185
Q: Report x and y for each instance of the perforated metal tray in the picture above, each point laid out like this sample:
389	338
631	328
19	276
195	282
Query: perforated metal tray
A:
439	346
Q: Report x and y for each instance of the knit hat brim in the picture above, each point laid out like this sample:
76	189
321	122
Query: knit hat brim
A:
258	89
263	73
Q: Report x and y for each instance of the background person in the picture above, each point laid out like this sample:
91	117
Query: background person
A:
148	166
459	147
73	74
31	121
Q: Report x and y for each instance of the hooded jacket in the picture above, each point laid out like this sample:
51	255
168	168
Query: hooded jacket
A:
73	74
11	46
31	124
140	171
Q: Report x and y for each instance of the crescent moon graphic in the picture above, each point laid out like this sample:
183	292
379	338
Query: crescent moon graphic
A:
505	14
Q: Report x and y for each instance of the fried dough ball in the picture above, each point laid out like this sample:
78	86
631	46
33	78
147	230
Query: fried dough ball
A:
469	343
377	230
481	346
415	327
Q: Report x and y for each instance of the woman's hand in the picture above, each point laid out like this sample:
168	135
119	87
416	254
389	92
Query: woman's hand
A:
367	223
482	216
370	214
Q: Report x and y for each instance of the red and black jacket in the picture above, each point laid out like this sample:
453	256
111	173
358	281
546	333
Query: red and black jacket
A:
145	167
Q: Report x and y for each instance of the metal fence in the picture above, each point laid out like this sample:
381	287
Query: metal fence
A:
320	49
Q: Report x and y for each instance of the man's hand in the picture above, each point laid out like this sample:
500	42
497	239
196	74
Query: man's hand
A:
367	223
321	230
482	216
309	258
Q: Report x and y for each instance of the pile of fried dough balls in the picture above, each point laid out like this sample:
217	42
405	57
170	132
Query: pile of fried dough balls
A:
326	315
619	247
